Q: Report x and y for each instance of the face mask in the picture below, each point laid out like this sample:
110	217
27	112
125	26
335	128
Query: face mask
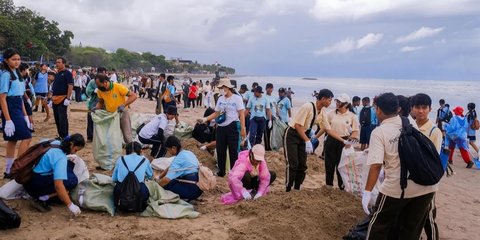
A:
222	92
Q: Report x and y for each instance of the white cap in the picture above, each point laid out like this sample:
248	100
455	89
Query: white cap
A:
344	98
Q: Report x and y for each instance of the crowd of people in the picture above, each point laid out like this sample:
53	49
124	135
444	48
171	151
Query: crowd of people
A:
236	125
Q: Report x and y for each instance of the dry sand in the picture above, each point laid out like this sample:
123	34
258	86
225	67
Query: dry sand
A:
312	213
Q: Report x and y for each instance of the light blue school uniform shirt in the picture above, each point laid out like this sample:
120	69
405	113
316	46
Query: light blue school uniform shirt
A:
246	96
272	101
283	106
54	161
171	88
132	161
16	88
41	84
258	107
183	164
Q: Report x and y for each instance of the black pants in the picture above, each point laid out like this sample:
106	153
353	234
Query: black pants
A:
266	138
253	183
199	100
78	94
89	127
431	228
227	137
296	159
61	119
191	102
333	153
410	213
136	88
158	148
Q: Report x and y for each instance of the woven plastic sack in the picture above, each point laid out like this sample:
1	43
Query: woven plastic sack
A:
107	138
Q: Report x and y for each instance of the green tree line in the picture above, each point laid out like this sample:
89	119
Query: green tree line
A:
34	36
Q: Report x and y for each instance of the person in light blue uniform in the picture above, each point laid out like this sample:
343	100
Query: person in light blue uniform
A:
40	82
272	102
259	109
53	176
15	122
182	175
284	106
133	159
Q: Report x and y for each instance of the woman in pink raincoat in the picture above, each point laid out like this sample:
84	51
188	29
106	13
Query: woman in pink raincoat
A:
250	177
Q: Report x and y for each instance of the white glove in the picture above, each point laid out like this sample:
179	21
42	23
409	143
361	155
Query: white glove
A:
270	124
257	196
74	209
203	148
350	142
308	147
50	104
381	176
366	197
202	120
9	128
66	102
246	195
27	121
29	102
96	90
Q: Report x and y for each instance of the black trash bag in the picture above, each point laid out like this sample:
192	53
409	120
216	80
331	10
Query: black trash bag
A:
8	218
359	232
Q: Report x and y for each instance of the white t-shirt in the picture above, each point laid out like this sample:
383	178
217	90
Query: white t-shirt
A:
231	106
150	129
113	77
169	129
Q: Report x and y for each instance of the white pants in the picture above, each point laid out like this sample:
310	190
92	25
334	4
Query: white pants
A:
208	99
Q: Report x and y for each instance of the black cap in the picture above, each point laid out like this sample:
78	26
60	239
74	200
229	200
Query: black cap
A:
269	85
171	110
244	86
282	90
258	89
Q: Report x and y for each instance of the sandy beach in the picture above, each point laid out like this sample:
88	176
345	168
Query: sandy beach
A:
315	212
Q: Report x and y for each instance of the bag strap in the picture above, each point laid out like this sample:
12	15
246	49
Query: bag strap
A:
431	131
125	164
314	115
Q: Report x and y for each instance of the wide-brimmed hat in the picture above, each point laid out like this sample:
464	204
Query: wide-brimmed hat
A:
344	98
225	82
243	87
258	152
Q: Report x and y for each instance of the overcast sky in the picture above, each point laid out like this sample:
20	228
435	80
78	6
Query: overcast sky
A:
414	39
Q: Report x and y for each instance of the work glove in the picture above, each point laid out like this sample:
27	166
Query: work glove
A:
121	108
203	148
9	128
350	142
66	102
270	124
50	104
246	195
258	195
27	121
74	209
308	147
202	120
95	91
366	197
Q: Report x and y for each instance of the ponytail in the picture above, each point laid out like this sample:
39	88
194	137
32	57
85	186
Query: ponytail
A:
75	140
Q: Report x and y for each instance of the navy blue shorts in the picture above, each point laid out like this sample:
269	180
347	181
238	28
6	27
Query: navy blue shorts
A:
40	185
365	132
41	95
15	109
472	138
187	191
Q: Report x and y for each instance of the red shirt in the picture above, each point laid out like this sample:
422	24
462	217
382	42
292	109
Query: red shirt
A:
193	92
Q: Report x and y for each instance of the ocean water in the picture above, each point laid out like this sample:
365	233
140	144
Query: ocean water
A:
456	93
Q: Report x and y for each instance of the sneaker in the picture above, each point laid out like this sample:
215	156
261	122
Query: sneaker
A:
470	164
40	206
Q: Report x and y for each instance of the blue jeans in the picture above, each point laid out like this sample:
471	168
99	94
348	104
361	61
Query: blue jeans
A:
257	127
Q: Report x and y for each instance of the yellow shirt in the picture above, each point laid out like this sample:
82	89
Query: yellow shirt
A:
303	117
343	123
115	97
431	130
384	150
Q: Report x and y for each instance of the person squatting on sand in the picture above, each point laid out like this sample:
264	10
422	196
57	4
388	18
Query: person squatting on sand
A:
53	175
15	121
230	117
250	177
182	175
153	132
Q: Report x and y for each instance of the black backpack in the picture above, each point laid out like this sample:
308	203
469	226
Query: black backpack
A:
366	116
8	218
419	159
130	197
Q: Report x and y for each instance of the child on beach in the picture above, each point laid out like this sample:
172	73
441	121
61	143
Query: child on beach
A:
472	132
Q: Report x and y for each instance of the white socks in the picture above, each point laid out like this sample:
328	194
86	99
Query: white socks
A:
9	164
